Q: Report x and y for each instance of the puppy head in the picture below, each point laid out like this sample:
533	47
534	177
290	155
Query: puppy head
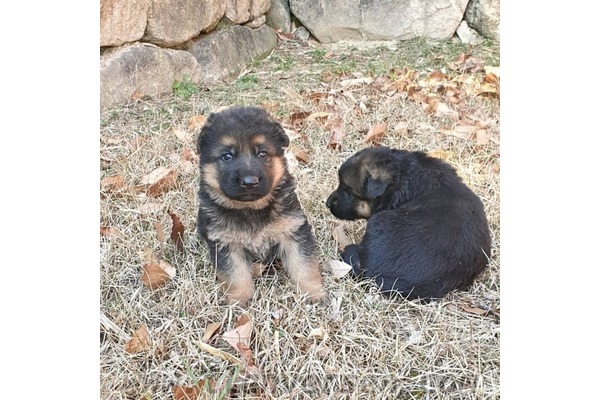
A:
242	156
363	179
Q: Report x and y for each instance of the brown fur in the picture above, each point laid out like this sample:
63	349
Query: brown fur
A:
249	213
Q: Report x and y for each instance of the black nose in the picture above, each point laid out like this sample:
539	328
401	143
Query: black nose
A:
331	201
249	181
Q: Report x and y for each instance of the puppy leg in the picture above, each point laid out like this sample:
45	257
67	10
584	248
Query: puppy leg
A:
351	257
234	272
297	256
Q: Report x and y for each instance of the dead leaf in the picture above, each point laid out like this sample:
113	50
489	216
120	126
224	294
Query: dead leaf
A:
177	231
338	269
241	333
401	128
112	183
109	231
355	82
140	341
340	236
190	392
211	329
157	273
338	132
196	122
466	63
438	76
299	153
320	116
183	135
157	182
474	310
376	132
443	109
291	133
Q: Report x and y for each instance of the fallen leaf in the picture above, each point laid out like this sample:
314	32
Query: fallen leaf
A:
157	182
375	133
196	122
337	133
188	392
401	128
443	109
211	329
340	236
291	133
338	268
183	135
109	231
299	153
157	273
241	333
112	183
474	310
139	341
492	70
438	76
177	231
320	116
189	154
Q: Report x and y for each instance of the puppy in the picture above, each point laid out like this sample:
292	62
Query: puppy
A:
427	233
248	209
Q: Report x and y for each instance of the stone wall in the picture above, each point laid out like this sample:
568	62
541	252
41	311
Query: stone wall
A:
146	45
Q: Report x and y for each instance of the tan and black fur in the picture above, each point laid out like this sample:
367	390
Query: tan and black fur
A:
427	232
248	209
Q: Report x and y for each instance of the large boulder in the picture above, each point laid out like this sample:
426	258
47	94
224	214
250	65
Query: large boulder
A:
122	21
143	69
223	53
172	22
484	17
335	20
242	11
278	16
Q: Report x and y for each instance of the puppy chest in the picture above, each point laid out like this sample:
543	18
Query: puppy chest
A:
254	236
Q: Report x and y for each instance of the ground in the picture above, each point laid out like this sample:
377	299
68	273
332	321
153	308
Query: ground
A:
442	98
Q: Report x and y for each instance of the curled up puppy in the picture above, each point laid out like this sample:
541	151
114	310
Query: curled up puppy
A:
427	232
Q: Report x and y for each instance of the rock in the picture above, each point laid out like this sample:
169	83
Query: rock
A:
143	69
255	23
167	28
122	21
468	35
278	16
224	53
335	20
484	17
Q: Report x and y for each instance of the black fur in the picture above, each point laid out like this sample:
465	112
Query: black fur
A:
427	233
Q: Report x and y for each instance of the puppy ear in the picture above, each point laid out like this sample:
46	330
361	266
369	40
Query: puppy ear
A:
375	187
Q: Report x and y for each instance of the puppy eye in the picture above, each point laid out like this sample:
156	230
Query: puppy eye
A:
262	154
226	156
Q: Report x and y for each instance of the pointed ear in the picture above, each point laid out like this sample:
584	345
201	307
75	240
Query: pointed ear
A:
376	187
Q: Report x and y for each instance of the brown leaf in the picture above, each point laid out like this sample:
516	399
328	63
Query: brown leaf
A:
339	235
187	392
189	154
183	135
112	183
442	154
139	341
241	333
482	137
196	122
177	231
376	132
474	310
299	153
157	273
109	231
338	132
401	128
211	329
157	182
438	76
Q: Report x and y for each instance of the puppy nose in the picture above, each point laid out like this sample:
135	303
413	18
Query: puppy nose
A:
331	201
249	181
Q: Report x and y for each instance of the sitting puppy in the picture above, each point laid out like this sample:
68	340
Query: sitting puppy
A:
248	209
427	232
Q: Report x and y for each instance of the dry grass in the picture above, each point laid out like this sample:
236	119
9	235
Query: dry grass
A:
368	346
